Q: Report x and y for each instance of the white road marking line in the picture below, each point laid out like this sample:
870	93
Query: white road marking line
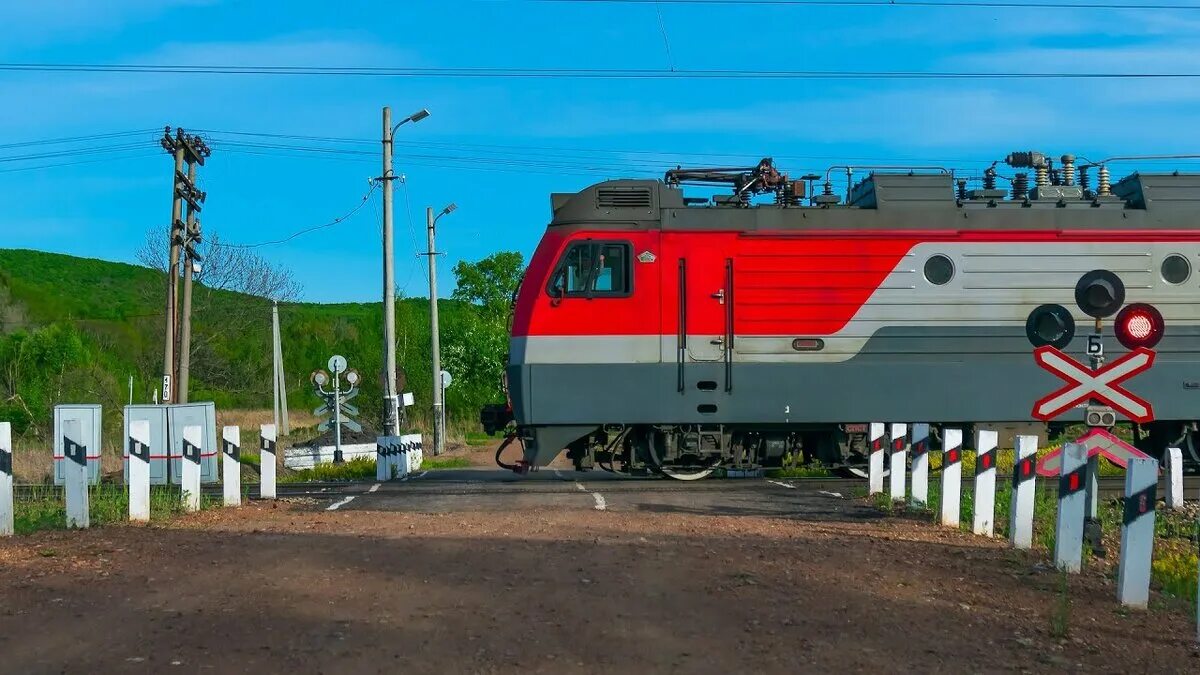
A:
558	474
601	505
339	504
374	488
786	485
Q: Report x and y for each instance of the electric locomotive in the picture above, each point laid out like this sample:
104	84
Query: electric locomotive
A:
660	332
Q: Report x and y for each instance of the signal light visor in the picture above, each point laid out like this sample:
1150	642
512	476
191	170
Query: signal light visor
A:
1139	325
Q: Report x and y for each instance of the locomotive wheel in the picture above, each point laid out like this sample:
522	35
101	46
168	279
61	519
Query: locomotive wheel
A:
676	472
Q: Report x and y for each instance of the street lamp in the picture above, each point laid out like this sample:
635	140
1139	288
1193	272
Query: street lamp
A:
391	400
439	421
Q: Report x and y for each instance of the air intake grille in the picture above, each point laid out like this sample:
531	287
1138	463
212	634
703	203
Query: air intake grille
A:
624	198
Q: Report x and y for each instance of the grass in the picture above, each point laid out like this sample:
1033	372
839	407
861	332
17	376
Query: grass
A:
107	505
445	463
476	438
359	468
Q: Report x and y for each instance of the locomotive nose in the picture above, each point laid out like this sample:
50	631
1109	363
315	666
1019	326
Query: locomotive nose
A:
1099	293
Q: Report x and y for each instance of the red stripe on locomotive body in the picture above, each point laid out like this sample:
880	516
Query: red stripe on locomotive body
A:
810	283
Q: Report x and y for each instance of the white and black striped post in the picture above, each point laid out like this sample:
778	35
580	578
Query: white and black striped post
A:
407	459
231	465
381	468
951	476
1137	532
875	458
1072	506
920	465
898	464
985	482
7	512
189	472
1020	524
1174	478
139	471
266	464
75	475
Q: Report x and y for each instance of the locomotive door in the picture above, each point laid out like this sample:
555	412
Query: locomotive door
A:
703	290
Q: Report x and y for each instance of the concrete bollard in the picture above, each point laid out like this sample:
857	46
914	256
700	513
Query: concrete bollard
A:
266	464
951	476
1020	525
985	482
1137	532
898	464
7	511
139	471
406	457
1174	497
189	471
1072	504
875	459
231	465
920	465
381	468
75	475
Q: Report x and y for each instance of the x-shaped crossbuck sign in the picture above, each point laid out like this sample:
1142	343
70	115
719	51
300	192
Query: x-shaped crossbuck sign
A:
1102	384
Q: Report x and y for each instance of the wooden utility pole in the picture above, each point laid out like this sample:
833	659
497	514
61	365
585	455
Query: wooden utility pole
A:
185	236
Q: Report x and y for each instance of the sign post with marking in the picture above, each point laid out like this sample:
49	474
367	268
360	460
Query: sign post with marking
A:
6	480
266	462
875	459
1020	530
1137	533
898	464
139	471
1072	495
951	476
189	471
920	465
985	482
231	465
75	475
1174	478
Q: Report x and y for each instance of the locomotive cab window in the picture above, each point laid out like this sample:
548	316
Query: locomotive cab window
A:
592	269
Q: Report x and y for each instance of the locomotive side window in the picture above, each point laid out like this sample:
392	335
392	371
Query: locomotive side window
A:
592	269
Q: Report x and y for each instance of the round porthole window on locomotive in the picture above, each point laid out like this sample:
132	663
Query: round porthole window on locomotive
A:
939	270
1176	269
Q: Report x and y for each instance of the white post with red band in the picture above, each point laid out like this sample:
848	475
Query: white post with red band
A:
139	471
231	465
898	464
1174	495
1072	501
920	465
7	512
266	463
875	458
1137	532
189	471
1020	527
75	475
951	476
985	482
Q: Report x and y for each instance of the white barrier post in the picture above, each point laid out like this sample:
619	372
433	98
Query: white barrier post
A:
6	481
1072	503
189	473
1137	532
381	470
231	465
1020	524
407	456
266	464
875	459
139	471
75	474
920	465
1174	478
899	461
985	482
951	476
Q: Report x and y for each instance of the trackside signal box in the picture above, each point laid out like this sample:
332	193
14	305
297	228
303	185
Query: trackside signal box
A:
166	439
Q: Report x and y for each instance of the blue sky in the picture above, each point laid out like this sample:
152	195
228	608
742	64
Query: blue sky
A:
498	147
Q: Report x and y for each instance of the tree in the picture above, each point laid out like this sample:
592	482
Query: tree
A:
476	343
225	267
490	282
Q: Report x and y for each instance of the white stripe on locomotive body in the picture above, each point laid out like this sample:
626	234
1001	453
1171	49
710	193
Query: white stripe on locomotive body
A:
994	285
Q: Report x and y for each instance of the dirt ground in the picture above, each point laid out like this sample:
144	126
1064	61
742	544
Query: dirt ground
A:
290	587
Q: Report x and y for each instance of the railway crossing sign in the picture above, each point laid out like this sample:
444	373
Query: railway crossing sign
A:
1084	384
1099	442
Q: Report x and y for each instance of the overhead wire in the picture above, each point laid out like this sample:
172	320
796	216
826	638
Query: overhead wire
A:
307	230
924	4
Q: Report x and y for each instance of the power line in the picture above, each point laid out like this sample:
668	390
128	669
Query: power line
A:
955	4
584	73
78	139
307	230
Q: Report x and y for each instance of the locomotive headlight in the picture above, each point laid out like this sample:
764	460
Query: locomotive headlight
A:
1099	293
1139	325
1050	325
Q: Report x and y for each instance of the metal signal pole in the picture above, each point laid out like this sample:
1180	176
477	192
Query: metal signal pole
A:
435	348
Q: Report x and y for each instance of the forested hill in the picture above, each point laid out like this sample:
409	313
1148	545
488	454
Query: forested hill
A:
73	330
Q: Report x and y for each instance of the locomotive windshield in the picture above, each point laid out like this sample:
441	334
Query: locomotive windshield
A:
590	269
